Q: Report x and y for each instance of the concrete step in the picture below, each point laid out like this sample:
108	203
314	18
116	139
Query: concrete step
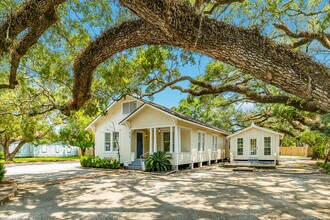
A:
134	167
245	169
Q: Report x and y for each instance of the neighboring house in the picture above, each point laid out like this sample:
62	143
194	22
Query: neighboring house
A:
134	128
255	143
45	150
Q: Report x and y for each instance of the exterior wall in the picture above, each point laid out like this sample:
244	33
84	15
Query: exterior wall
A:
259	134
110	123
141	121
195	156
30	150
150	117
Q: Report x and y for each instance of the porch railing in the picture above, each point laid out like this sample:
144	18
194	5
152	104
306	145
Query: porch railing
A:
197	157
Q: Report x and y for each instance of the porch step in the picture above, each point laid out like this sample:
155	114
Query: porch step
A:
135	165
243	169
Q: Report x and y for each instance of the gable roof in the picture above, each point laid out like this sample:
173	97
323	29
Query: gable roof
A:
174	114
165	110
257	127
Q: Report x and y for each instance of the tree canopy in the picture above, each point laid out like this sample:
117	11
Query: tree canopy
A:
264	39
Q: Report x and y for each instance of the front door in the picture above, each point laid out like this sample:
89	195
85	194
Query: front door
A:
139	145
253	147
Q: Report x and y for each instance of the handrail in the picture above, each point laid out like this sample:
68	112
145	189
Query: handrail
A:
144	154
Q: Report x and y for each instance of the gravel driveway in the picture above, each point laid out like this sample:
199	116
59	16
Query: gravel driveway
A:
66	191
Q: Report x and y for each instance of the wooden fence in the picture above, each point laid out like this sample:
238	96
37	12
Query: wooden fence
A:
296	151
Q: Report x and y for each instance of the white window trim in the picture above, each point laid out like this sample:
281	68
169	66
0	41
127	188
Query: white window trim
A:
112	142
57	148
256	138
44	146
202	133
237	146
269	146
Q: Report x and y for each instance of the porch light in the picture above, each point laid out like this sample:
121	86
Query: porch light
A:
158	130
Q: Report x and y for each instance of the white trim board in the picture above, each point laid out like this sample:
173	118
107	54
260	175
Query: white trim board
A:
256	127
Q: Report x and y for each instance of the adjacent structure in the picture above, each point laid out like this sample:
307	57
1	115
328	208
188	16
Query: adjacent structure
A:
45	150
255	143
133	128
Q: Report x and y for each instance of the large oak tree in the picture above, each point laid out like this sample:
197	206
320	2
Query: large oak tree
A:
193	26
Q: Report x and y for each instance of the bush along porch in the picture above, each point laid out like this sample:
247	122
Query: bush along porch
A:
97	162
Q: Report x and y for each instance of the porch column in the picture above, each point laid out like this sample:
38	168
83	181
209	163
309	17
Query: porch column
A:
155	139
130	144
171	139
150	140
176	139
179	136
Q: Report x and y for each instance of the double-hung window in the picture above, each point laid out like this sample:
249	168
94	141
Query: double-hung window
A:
44	148
129	107
107	142
201	141
57	148
111	141
166	141
214	143
267	146
239	146
115	141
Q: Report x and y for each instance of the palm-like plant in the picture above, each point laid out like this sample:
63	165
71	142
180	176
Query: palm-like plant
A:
159	161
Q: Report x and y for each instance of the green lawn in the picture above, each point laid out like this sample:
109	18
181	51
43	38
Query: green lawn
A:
44	159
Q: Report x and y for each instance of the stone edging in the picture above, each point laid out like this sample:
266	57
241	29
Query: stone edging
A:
12	191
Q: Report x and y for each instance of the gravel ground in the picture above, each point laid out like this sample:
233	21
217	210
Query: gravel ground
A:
66	191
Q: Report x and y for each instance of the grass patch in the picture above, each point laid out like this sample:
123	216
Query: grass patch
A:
44	159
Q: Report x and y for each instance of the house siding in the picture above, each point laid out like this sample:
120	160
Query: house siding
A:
30	150
110	123
259	135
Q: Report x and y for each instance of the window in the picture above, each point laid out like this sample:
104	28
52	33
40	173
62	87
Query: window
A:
107	142
115	141
215	143
267	146
69	150
201	141
111	141
44	149
57	148
239	146
129	107
166	141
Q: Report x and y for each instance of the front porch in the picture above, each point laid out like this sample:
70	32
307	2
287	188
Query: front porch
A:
177	140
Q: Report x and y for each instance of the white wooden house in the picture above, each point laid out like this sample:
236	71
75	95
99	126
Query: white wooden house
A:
255	143
134	128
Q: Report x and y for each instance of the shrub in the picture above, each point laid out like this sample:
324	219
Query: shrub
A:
86	161
89	161
2	155
159	161
2	171
325	166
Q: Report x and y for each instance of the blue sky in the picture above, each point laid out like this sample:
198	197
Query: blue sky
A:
169	97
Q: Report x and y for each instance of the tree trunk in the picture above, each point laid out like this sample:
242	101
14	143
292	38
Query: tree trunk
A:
6	151
83	151
18	147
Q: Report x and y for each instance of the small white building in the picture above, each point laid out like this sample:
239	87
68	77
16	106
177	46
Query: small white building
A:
255	143
134	128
